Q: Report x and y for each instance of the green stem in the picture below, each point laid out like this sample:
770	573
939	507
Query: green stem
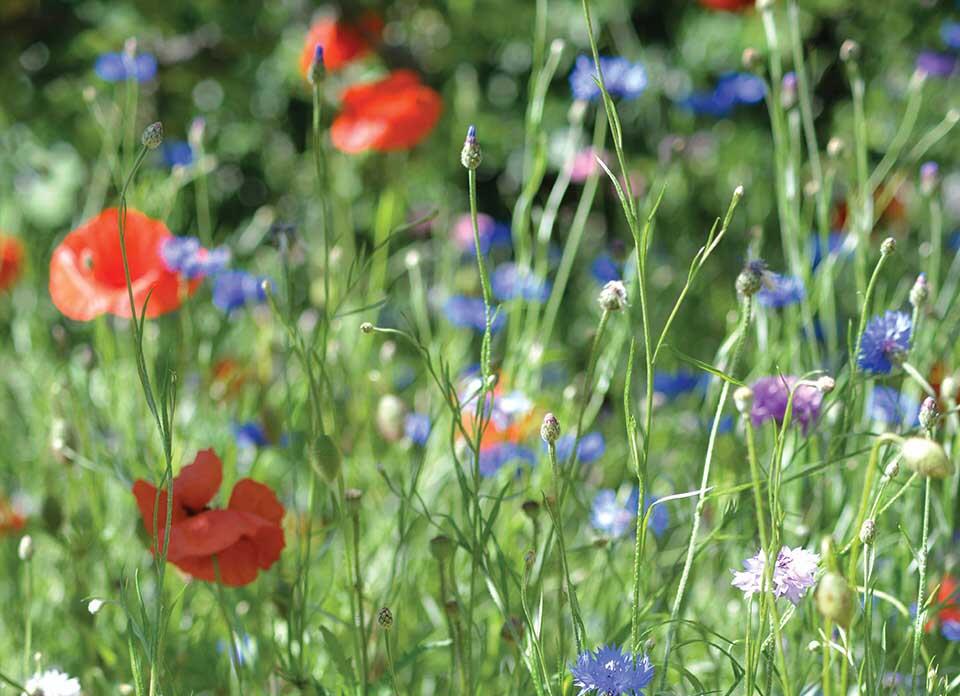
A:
921	586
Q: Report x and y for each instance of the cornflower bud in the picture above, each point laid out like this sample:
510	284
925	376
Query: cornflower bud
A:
385	618
152	136
441	546
317	68
929	414
849	51
751	59
834	598
470	155
920	292
788	90
888	246
836	147
550	429
366	327
750	279
868	531
929	178
613	296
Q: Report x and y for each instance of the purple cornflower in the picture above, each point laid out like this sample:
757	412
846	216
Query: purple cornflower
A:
889	406
494	457
951	630
510	282
608	515
493	234
611	671
793	575
591	448
117	67
780	291
176	153
672	384
469	313
184	255
234	289
770	395
936	64
950	33
604	269
621	77
416	426
885	342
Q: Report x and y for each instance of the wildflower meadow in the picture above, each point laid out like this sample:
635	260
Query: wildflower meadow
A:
480	347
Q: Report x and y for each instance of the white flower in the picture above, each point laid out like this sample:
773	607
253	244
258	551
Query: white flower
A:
53	683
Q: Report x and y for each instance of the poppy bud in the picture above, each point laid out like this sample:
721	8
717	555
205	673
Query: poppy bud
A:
326	457
743	400
470	155
920	292
317	69
613	296
25	549
888	246
550	430
834	598
152	136
926	457
385	618
441	546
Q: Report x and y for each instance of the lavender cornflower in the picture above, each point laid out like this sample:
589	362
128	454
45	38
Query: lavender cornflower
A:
885	342
184	255
936	64
793	574
611	671
770	395
469	313
780	291
234	289
591	448
621	77
887	405
117	67
604	269
510	282
416	426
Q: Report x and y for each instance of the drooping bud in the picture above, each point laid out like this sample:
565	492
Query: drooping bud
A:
929	178
834	598
385	618
550	429
743	400
470	155
152	136
849	51
926	457
441	546
888	246
920	292
929	414
788	90
317	68
25	549
613	296
868	532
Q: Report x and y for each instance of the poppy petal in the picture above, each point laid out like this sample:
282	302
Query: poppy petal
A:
257	499
197	483
209	532
146	495
11	261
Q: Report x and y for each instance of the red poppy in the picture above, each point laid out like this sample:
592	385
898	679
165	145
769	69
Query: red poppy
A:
342	42
394	113
245	538
10	520
949	599
11	261
728	5
86	270
895	214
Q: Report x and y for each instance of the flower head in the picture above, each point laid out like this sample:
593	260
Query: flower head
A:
604	269
53	682
591	447
728	5
510	282
793	574
887	405
950	33
250	434
885	341
416	426
184	255
394	113
121	66
936	64
342	41
496	456
672	384
245	537
611	671
86	269
11	261
176	153
493	234
234	289
613	296
780	291
470	313
621	77
770	395
615	518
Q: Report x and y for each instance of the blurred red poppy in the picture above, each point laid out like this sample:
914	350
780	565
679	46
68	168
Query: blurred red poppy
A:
394	113
10	520
949	599
245	538
11	261
342	42
86	270
728	5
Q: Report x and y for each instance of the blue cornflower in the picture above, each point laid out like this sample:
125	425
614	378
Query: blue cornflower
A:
176	153
117	67
614	518
591	448
184	255
611	671
950	33
604	269
234	289
889	406
951	630
780	291
621	77
709	104
250	434
510	282
835	245
740	88
885	342
936	64
673	384
493	458
468	313
659	518
417	427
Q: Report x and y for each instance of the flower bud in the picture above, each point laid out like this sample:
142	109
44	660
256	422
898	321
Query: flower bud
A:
317	68
750	279
826	384
470	155
868	531
929	414
929	178
613	296
366	327
25	549
152	136
353	498
531	509
94	605
550	430
888	246
920	292
385	618
926	457
452	608
893	468
743	400
834	598
948	389
788	90
849	51
836	147
441	546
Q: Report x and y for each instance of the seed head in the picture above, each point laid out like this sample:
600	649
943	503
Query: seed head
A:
613	296
385	618
152	136
550	430
471	155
